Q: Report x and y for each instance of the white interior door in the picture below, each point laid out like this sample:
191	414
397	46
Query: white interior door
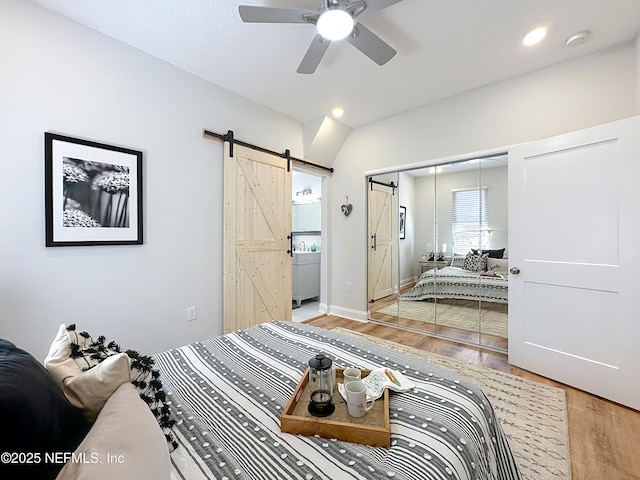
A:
574	228
380	241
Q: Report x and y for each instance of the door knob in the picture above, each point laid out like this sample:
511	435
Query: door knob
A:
514	270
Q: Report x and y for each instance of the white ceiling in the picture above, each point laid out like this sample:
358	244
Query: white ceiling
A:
445	47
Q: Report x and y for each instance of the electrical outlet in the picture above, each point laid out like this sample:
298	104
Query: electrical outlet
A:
348	286
192	314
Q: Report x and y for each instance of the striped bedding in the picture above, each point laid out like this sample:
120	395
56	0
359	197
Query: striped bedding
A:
455	282
227	395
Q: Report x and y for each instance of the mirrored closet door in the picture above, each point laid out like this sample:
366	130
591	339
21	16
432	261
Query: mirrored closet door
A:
450	277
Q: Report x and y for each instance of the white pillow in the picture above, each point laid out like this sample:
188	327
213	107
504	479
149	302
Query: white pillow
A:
125	442
498	264
458	261
87	390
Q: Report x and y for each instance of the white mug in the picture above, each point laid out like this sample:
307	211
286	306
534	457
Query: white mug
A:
351	374
357	402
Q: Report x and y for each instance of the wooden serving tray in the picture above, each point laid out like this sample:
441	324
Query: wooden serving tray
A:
371	429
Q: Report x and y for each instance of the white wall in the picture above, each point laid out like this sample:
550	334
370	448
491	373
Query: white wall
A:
588	91
59	76
638	73
407	246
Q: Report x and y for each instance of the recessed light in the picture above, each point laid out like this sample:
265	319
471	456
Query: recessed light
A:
535	36
337	112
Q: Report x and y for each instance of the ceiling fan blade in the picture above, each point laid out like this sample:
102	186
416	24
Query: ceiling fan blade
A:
371	45
256	14
314	54
374	6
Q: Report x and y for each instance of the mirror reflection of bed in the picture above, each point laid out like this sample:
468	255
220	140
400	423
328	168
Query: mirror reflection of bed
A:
467	299
459	285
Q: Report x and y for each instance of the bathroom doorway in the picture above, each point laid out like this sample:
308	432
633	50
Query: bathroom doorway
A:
306	199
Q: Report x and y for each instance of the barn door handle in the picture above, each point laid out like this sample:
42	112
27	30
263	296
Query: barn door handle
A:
514	270
290	238
375	241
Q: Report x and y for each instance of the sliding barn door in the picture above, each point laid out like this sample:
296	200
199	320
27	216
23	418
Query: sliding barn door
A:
380	241
574	227
257	223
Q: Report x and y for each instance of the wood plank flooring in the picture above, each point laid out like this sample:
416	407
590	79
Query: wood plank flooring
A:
604	437
465	336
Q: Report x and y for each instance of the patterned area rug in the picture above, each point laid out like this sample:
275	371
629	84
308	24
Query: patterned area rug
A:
533	415
493	323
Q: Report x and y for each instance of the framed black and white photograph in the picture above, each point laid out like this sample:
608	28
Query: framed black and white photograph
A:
403	221
93	193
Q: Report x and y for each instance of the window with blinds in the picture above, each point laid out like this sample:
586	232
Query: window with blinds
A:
470	219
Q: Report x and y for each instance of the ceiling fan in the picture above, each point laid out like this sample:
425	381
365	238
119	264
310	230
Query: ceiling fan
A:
334	20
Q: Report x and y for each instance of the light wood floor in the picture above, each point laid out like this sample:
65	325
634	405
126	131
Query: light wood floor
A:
604	437
465	336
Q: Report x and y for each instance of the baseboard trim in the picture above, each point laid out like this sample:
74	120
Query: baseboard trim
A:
351	314
407	281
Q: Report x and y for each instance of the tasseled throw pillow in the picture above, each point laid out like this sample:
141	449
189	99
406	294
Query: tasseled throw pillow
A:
99	372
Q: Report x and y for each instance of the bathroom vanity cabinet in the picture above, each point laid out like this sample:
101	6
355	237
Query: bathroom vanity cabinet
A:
306	276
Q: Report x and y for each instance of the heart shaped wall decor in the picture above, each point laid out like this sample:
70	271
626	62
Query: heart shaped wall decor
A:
346	209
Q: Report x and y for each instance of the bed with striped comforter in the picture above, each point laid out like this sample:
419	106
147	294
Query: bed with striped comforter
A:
227	395
458	283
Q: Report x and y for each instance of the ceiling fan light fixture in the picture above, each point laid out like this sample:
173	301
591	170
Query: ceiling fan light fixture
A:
335	24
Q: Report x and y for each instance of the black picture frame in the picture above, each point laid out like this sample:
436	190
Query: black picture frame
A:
93	193
403	222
